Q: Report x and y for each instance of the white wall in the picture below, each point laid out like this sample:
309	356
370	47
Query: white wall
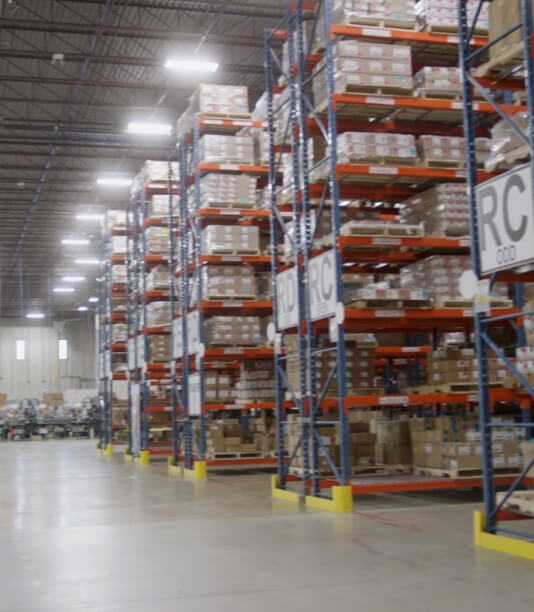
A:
42	371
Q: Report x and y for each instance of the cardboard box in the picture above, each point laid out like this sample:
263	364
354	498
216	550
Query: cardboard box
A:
504	15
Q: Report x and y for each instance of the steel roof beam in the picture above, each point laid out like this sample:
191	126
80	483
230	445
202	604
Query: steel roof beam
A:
121	61
129	32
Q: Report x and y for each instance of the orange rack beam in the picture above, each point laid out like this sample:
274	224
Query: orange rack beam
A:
236	307
234	212
419	104
407	171
252	259
117	259
376	33
216	407
205	168
231	353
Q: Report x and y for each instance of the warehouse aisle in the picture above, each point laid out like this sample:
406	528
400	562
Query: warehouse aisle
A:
82	532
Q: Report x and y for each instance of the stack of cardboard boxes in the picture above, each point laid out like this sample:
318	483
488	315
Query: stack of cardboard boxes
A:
158	314
366	66
157	240
439	82
362	444
396	13
442	15
449	150
256	382
355	147
158	278
219	387
232	331
507	147
223	149
453	443
227	190
231	239
158	206
228	436
441	274
229	282
159	348
393	443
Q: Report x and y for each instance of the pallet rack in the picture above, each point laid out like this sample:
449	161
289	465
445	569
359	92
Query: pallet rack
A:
370	112
108	350
489	532
143	373
191	358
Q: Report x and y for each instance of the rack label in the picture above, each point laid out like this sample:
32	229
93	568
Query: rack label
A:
287	299
194	395
505	218
410	349
177	339
229	166
468	312
212	122
453	39
394	400
232	304
376	32
232	258
232	351
323	298
192	332
389	313
380	101
230	211
387	241
383	170
131	353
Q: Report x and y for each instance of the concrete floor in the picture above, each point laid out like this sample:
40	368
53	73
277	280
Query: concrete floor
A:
81	532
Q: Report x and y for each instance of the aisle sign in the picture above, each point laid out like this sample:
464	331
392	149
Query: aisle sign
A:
287	298
322	288
195	397
505	214
131	353
135	417
192	332
140	351
177	339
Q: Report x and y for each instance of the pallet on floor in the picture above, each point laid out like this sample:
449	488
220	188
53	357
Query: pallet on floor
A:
523	501
459	473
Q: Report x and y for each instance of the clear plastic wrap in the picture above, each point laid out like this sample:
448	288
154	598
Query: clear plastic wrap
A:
442	15
221	149
158	314
119	333
228	282
223	190
220	99
230	239
232	331
158	206
158	278
157	240
118	274
358	146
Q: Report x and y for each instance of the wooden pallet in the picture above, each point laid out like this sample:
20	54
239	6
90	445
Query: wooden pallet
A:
386	91
409	162
238	297
398	468
454	164
223	251
228	205
236	455
459	473
508	159
523	501
397	230
227	116
508	60
464	304
457	388
451	29
394	304
439	95
397	24
362	470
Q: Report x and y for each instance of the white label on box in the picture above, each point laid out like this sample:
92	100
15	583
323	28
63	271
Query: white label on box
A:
498	461
514	460
497	448
381	101
454	464
376	32
394	400
464	450
229	166
387	241
428	449
383	170
389	313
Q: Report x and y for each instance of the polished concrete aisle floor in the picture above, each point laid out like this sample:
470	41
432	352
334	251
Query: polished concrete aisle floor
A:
81	532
